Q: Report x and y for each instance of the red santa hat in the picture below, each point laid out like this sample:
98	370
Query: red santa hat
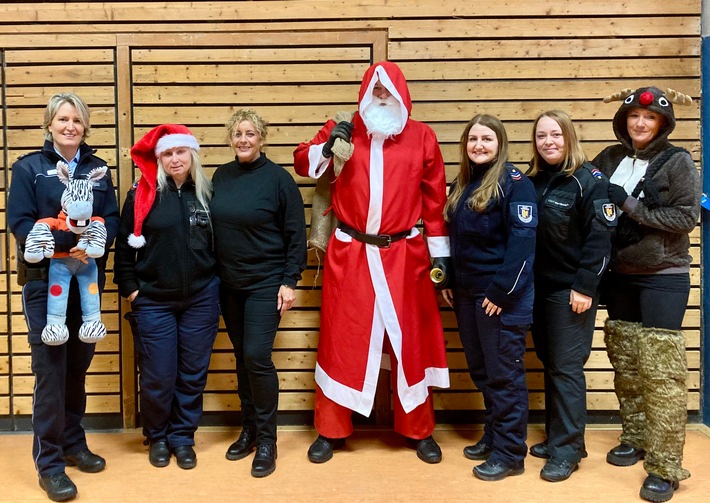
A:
145	155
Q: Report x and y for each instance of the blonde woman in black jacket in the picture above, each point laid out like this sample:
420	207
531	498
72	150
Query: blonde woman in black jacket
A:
573	246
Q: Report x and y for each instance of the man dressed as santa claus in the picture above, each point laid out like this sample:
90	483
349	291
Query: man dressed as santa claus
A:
378	299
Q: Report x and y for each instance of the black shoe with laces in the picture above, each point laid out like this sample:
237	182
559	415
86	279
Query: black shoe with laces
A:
243	446
264	460
58	487
557	470
491	471
86	461
478	452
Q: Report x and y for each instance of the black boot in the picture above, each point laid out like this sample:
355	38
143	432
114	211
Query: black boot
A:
264	461
185	456
624	455
321	450
243	446
657	489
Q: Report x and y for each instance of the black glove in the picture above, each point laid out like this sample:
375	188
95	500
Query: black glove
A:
617	194
342	130
651	197
441	270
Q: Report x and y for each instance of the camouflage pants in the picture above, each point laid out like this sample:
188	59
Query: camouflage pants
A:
650	370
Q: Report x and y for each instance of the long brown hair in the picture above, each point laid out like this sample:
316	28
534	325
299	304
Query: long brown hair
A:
490	188
574	155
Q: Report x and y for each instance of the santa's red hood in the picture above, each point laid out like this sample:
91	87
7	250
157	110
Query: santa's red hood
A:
392	78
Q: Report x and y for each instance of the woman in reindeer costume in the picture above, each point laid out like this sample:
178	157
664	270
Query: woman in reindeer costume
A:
60	370
656	187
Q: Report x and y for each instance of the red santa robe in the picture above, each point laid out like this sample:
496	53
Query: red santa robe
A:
385	188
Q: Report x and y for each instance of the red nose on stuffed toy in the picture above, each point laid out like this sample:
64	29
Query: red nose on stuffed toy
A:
646	98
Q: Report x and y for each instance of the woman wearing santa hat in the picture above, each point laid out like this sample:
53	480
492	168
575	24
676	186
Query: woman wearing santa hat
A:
165	267
260	242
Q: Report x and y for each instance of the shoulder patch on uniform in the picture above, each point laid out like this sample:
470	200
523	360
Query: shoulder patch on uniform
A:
29	154
525	213
609	211
597	174
516	175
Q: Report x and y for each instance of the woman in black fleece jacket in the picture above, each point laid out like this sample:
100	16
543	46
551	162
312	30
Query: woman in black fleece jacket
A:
260	240
165	267
573	247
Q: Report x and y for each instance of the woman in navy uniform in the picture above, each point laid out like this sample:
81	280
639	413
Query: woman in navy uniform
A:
574	230
492	218
60	371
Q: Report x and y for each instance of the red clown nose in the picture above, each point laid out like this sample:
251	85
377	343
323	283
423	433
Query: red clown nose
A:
646	98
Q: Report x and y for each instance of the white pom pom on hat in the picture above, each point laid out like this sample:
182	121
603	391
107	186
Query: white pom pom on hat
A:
145	155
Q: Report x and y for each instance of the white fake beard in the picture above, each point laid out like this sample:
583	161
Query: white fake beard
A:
383	118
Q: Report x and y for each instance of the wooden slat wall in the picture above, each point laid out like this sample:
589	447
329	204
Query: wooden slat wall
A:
298	63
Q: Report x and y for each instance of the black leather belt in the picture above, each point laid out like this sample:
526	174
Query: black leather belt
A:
381	240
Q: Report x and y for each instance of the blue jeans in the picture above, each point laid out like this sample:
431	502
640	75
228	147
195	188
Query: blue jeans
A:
174	340
495	350
61	271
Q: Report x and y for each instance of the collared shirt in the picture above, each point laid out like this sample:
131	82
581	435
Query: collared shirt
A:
72	164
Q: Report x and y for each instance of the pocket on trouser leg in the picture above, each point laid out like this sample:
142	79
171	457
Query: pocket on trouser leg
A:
132	318
663	369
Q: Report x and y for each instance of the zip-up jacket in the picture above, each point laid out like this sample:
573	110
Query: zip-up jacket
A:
177	260
574	230
493	251
36	193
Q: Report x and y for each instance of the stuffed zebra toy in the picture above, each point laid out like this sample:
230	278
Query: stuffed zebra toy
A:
77	207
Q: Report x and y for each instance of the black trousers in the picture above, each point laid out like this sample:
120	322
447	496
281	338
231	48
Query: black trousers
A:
252	320
563	342
654	300
59	399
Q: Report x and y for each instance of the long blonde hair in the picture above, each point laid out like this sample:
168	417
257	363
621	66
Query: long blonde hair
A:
574	155
203	185
490	188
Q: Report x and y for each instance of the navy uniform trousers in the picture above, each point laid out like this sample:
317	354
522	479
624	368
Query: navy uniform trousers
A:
174	340
59	399
495	350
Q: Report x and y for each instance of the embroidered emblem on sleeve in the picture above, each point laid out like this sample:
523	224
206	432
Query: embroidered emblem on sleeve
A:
516	175
609	210
597	174
525	213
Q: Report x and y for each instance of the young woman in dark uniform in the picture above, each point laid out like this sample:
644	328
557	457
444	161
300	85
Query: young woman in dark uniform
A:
492	217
